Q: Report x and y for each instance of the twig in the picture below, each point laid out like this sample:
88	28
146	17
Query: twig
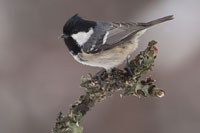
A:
116	80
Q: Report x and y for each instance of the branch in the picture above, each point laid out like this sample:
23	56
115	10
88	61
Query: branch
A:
116	80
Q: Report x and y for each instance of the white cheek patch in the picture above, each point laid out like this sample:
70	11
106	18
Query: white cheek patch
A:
105	37
82	37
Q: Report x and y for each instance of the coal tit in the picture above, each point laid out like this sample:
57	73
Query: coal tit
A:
103	44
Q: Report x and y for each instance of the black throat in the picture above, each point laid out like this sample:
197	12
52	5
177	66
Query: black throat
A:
74	25
72	45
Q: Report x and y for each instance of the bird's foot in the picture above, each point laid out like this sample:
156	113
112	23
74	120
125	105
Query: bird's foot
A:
98	75
127	67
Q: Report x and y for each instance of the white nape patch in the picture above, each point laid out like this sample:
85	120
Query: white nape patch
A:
82	37
105	37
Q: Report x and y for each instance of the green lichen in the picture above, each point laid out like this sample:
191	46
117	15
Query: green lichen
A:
116	80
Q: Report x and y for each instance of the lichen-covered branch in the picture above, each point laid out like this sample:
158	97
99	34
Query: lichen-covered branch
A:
116	80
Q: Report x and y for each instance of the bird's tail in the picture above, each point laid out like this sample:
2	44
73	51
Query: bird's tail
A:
157	21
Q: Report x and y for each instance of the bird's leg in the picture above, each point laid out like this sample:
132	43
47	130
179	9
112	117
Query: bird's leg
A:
128	68
98	76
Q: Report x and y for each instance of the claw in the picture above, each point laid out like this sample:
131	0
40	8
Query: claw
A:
128	68
98	76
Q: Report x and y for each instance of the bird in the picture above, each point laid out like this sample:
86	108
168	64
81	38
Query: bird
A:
104	44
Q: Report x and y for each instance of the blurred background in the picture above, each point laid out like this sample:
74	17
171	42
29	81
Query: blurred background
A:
39	78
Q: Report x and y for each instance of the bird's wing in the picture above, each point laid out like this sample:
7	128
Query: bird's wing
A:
108	35
121	31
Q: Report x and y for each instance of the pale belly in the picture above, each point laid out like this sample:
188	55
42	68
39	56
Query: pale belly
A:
109	58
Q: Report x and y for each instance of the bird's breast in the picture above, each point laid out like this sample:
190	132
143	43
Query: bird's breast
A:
108	58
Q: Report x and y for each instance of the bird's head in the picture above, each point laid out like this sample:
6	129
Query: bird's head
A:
76	25
76	32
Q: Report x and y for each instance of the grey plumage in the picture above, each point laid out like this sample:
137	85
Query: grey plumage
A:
119	32
104	44
97	38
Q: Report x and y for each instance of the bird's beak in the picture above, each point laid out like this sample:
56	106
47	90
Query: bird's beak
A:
63	36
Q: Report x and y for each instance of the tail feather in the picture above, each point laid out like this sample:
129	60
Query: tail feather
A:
157	21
